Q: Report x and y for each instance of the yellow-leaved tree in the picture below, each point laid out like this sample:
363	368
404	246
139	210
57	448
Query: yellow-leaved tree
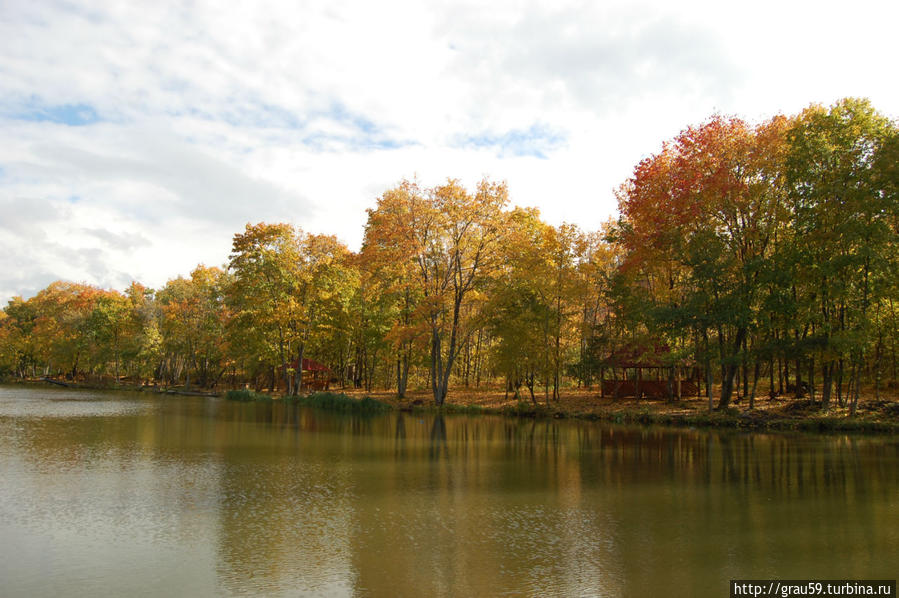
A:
445	241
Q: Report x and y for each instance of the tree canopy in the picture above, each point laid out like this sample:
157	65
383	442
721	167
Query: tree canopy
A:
755	254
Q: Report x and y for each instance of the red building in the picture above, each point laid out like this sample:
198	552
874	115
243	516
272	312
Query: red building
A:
316	375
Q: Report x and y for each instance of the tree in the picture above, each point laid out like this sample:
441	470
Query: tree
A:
702	215
286	286
326	286
17	350
265	267
142	344
845	212
518	311
390	273
532	301
110	321
597	325
448	238
192	324
64	331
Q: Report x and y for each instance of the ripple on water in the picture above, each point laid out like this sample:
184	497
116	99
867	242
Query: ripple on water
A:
106	494
67	403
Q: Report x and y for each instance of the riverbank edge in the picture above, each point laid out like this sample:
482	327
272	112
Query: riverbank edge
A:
755	421
733	420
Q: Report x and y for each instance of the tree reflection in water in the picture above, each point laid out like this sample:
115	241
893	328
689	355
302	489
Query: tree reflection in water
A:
272	498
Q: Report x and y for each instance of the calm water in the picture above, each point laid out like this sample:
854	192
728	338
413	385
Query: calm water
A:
129	494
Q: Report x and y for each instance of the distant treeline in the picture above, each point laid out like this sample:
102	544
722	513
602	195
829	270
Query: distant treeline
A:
745	259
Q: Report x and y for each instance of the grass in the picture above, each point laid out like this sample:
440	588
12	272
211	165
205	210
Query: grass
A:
525	409
685	414
245	395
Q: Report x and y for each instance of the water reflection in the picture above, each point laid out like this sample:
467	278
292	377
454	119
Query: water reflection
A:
232	498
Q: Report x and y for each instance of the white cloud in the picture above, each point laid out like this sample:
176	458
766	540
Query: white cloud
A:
193	120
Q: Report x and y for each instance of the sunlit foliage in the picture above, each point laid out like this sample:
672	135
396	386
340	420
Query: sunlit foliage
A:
745	256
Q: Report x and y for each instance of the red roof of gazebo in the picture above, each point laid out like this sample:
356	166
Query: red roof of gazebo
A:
310	365
640	356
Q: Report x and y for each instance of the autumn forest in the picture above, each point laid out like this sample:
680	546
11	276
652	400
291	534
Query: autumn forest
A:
746	260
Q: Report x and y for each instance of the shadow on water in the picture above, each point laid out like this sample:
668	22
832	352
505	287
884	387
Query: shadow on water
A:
438	447
400	436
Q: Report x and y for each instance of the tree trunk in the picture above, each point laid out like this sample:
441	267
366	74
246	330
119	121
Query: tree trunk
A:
436	364
745	370
771	377
727	385
826	383
298	387
402	375
755	381
854	383
708	368
730	369
785	377
878	352
670	385
839	383
680	373
811	378
477	361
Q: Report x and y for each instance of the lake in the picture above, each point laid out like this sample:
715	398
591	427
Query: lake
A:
115	494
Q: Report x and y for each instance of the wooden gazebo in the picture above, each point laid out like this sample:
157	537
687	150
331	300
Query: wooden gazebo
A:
656	359
316	375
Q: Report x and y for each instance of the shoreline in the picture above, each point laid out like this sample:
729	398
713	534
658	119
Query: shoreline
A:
754	421
781	415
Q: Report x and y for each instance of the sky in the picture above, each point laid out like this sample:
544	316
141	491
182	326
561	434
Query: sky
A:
136	138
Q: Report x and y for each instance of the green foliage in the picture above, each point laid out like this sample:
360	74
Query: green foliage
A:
191	325
771	245
465	409
245	395
526	409
289	290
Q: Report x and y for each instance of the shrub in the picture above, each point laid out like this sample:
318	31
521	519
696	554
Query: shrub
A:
464	409
246	395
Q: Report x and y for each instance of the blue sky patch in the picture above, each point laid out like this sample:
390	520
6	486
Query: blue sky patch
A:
329	142
364	133
258	115
537	141
341	114
360	133
74	115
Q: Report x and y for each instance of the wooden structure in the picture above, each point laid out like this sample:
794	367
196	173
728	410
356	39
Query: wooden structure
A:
316	375
653	358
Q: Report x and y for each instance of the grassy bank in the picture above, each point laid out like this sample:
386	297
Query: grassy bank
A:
245	396
873	416
877	416
732	419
